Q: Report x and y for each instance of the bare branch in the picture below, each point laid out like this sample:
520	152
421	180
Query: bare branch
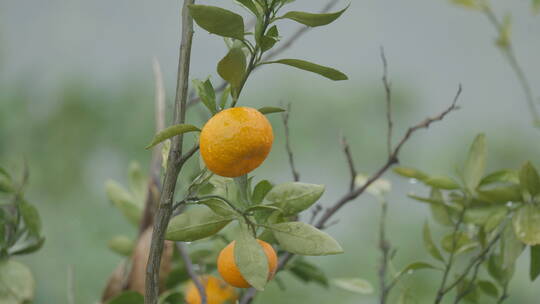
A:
285	118
191	271
350	163
388	91
384	247
175	165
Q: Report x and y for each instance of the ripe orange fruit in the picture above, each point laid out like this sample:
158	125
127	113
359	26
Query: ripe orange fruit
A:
217	291
236	141
231	274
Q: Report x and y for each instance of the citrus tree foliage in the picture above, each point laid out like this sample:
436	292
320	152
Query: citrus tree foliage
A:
491	216
20	233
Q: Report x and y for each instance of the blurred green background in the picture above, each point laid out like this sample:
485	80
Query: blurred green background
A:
76	102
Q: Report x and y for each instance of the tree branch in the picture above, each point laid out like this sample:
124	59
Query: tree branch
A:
175	162
191	271
285	118
384	247
388	91
350	163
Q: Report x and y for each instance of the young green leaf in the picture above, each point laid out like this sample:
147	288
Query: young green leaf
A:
251	6
16	283
512	248
440	212
270	110
502	176
251	259
224	97
122	245
270	38
138	183
327	72
469	4
476	163
195	224
526	222
218	21
127	297
442	182
301	238
171	297
409	269
31	218
122	200
434	201
500	195
313	20
430	245
458	243
295	197
260	191
232	67
31	245
219	207
488	288
206	93
529	180
172	132
356	285
308	272
411	173
535	262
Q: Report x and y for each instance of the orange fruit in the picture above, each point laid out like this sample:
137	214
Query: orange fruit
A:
231	274
217	291
235	141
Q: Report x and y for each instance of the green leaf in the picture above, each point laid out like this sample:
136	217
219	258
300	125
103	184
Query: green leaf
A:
301	238
511	249
250	5
529	180
219	207
138	183
16	283
505	32
218	21
536	6
6	184
172	132
442	182
502	176
430	245
195	224
500	195
476	163
535	262
128	297
308	272
171	297
232	67
434	201
327	72
526	222
225	97
122	200
495	219
469	4
440	212
411	173
122	245
251	259
31	218
33	244
270	110
206	93
463	243
488	288
313	20
260	191
295	197
409	269
356	285
479	215
269	40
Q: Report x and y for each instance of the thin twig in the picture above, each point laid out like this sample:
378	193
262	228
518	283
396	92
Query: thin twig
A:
384	247
285	118
388	93
175	162
191	270
350	163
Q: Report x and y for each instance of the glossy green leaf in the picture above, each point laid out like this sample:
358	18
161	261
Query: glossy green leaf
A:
128	297
304	239
430	245
16	283
535	262
529	180
172	132
411	268
442	182
475	163
308	272
260	191
206	93
195	224
270	110
327	72
295	197
121	244
502	176
122	200
356	285
526	222
313	20
232	67
411	173
488	288
218	21
251	260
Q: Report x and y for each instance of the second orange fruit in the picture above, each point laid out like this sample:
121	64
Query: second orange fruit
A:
235	141
231	274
